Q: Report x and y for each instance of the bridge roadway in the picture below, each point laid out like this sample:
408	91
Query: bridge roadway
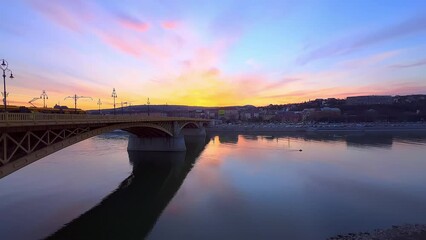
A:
28	137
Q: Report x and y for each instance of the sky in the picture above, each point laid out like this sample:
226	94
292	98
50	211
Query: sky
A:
211	53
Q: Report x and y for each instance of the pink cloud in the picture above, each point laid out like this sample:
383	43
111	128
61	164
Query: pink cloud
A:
169	25
152	53
120	44
133	24
58	14
140	27
213	72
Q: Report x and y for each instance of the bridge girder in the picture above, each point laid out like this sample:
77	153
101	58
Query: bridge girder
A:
189	125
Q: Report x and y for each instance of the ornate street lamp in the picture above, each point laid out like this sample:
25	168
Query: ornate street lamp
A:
114	95
44	97
5	67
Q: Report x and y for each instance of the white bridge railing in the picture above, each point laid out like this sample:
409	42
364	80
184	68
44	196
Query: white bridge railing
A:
8	119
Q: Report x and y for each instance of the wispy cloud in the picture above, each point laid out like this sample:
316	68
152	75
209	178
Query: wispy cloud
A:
133	23
410	65
283	82
358	42
70	14
370	60
121	44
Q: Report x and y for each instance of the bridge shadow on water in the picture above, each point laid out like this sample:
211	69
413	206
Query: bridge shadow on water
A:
131	211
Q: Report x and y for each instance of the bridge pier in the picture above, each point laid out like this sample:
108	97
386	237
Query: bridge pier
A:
164	144
193	131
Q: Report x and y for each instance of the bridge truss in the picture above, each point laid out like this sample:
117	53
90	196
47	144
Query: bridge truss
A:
26	138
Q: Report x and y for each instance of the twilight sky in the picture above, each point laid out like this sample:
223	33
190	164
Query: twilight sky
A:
212	53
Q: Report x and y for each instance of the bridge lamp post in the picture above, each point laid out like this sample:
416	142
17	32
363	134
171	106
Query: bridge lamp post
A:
99	104
148	102
75	97
5	67
114	95
44	97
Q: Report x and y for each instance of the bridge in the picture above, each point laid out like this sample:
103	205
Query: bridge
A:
28	137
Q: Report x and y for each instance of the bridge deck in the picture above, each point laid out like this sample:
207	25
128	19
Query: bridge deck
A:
31	119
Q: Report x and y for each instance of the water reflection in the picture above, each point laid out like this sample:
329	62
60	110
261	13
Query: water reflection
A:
352	139
242	187
133	208
263	189
250	137
231	138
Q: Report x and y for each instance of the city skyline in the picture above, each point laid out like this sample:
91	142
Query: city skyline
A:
212	54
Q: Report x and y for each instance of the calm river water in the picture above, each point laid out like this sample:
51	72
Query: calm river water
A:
226	186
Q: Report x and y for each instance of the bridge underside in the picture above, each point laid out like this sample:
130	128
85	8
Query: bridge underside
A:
147	132
20	146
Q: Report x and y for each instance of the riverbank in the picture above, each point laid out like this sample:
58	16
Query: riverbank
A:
404	232
330	127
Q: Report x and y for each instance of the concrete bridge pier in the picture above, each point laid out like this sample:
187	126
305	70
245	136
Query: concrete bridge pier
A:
194	131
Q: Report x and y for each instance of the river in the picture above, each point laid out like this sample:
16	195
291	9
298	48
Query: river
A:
226	186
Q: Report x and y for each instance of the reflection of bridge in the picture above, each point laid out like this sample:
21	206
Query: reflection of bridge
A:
28	137
132	210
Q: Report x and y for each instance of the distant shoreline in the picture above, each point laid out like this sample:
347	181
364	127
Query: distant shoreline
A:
338	127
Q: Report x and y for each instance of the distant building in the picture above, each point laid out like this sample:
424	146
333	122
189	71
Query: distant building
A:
247	115
179	113
307	112
290	117
369	100
322	114
59	107
228	113
267	116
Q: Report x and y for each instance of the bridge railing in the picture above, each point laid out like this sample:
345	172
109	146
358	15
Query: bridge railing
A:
42	118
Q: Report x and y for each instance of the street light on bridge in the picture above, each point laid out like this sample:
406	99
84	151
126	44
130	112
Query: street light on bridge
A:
44	97
75	97
148	102
5	67
114	95
99	104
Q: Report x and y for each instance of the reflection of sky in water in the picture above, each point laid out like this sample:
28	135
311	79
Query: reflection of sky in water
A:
40	198
263	187
241	187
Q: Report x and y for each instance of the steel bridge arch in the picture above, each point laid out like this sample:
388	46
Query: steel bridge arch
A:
189	123
34	145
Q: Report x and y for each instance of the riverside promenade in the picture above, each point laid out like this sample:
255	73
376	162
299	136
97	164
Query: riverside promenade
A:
329	127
